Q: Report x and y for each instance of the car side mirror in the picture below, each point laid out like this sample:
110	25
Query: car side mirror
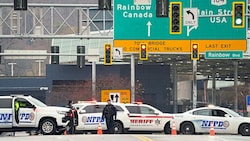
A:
82	112
156	113
227	115
34	107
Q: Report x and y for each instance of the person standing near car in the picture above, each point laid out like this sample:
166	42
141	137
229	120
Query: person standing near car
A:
74	117
17	106
109	113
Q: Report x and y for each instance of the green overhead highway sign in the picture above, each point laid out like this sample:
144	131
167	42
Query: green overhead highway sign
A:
224	55
138	21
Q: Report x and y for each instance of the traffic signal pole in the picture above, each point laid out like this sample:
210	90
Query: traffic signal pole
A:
132	78
94	80
194	84
235	85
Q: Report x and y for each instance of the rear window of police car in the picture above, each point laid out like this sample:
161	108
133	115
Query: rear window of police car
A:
99	108
5	103
140	110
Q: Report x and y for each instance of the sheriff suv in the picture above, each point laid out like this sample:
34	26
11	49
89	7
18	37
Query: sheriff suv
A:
146	118
25	113
90	115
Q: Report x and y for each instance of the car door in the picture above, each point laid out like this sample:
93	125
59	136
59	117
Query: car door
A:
90	116
26	113
222	122
6	117
143	118
154	118
201	119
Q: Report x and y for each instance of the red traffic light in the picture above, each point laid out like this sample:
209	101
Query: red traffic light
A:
143	51
107	54
195	52
143	46
195	46
107	47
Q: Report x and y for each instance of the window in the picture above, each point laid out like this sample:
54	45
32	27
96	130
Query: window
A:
147	110
218	113
204	112
133	109
118	108
6	103
23	103
90	109
99	108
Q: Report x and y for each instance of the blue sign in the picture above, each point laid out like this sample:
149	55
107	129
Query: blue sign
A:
248	100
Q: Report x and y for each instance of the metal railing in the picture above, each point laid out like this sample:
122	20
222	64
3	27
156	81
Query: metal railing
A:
56	21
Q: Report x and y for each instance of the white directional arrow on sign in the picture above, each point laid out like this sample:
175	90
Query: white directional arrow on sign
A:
118	53
149	24
190	16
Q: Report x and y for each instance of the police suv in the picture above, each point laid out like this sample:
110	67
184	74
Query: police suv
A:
25	113
90	115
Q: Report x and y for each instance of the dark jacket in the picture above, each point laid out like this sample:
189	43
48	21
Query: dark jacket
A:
109	112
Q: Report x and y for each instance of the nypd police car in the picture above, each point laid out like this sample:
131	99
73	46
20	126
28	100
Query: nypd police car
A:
90	115
31	115
146	118
200	120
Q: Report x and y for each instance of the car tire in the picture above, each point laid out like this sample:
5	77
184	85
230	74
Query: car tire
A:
187	128
167	128
118	128
48	127
244	129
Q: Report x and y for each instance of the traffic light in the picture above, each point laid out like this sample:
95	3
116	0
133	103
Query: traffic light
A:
175	18
107	54
161	8
238	14
195	52
80	58
20	4
54	58
143	51
104	4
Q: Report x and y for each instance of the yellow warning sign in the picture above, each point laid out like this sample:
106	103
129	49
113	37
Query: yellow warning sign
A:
181	46
154	45
116	96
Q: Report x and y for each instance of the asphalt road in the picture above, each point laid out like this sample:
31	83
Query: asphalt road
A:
124	137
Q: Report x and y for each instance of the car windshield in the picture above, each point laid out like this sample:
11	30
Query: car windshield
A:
233	113
37	102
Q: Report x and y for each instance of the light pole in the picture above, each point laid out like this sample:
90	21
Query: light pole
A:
12	68
235	63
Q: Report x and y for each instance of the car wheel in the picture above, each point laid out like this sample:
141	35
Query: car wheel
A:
118	128
187	128
245	129
48	127
167	129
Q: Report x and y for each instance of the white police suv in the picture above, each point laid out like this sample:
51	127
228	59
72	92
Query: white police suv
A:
200	120
145	118
25	113
90	115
